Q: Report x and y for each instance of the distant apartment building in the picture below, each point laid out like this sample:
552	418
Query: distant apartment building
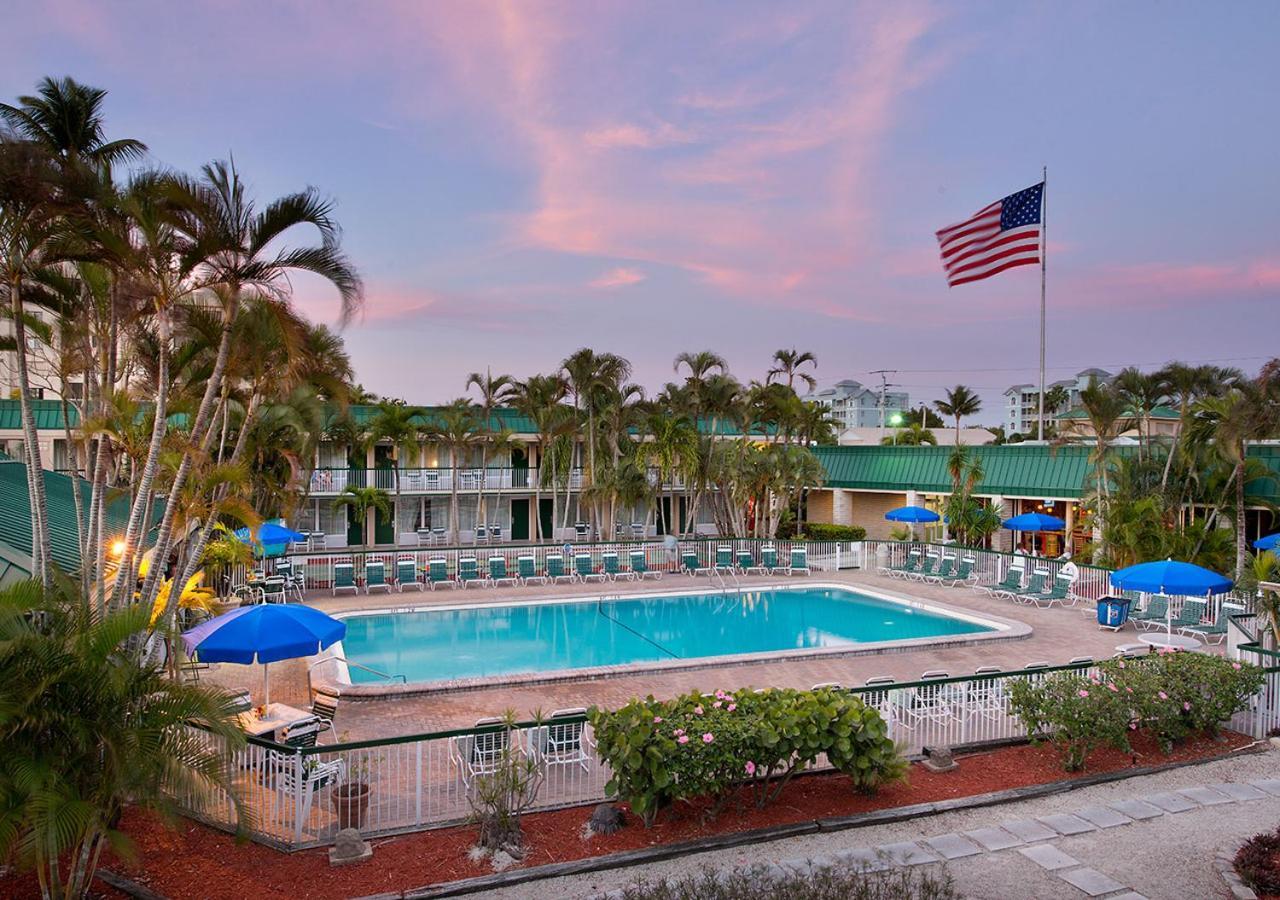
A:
1022	401
853	405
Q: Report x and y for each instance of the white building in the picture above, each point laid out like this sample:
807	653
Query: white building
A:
853	405
1022	401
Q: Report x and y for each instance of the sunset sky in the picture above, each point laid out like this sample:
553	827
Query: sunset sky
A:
518	180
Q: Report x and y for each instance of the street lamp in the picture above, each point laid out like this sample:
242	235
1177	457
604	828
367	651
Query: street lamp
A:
896	421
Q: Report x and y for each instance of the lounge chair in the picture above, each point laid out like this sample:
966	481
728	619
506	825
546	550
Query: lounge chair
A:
724	559
1192	614
583	568
1132	651
1155	612
375	576
498	572
612	571
744	561
799	561
438	573
926	568
1219	627
768	558
640	567
407	574
528	571
556	571
1012	581
963	573
1035	585
827	686
944	570
563	740
909	565
469	572
1060	594
344	578
693	565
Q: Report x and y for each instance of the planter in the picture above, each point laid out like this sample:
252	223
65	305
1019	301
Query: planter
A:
350	804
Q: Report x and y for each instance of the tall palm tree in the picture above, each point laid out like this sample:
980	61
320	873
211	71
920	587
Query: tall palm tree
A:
960	401
454	426
1144	392
788	362
1185	384
362	500
586	372
541	398
65	117
673	443
399	425
1107	413
494	392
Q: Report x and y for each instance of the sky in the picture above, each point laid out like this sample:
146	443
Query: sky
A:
517	180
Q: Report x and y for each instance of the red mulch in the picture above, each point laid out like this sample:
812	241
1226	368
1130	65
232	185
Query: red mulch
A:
193	861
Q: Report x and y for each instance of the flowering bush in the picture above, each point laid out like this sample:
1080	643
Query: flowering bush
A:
702	746
1172	695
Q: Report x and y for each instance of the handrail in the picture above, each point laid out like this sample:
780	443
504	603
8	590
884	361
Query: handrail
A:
403	678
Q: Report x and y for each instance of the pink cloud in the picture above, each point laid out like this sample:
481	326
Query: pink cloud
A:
629	136
619	277
489	311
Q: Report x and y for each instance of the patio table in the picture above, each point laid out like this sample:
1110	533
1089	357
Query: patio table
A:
278	716
1171	641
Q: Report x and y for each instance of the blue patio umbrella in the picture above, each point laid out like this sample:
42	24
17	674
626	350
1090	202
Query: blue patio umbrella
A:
263	634
1169	576
1270	542
1034	521
912	514
272	538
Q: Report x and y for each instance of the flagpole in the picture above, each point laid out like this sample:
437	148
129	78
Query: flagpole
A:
1044	246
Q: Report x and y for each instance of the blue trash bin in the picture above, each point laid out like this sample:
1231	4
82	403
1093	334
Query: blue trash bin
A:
1113	612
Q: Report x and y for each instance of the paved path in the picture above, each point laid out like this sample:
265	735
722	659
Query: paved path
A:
1153	837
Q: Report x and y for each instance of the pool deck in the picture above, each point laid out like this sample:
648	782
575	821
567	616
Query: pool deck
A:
1056	636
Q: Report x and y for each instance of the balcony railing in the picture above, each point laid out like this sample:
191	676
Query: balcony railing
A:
441	480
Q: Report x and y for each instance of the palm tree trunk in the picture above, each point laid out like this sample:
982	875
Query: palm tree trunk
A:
1242	552
453	492
41	548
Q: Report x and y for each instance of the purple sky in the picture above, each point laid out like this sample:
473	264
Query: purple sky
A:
519	180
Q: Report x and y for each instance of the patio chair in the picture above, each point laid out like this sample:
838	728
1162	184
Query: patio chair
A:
1132	651
273	590
609	559
375	576
1218	629
556	571
930	702
292	776
1154	613
324	707
480	754
640	567
438	573
827	686
1080	661
1192	613
563	741
407	574
693	565
963	573
985	697
768	559
927	566
909	565
585	570
724	559
582	530
439	535
495	534
294	581
882	697
944	570
637	531
469	572
481	534
528	570
799	562
240	702
1058	594
1012	582
1035	585
425	537
498	572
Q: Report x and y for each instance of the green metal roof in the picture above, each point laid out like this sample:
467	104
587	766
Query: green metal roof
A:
503	417
1157	412
1011	470
48	414
15	514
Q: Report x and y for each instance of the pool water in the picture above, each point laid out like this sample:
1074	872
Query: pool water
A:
472	642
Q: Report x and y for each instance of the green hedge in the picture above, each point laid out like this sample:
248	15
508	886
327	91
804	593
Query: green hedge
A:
817	531
704	747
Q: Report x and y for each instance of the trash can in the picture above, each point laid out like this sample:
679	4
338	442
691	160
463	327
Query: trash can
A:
1113	612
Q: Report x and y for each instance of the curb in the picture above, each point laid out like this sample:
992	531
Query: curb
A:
1225	863
629	858
127	885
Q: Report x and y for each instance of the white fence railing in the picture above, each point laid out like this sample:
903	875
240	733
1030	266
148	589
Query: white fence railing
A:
327	481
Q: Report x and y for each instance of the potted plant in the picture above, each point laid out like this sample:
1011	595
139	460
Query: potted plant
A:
350	796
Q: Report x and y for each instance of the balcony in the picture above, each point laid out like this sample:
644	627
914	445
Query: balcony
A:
328	482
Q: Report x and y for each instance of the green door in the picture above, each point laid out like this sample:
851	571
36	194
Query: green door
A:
355	529
520	519
666	520
519	468
384	531
546	509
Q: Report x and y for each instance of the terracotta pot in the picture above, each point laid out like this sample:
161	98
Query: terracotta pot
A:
350	804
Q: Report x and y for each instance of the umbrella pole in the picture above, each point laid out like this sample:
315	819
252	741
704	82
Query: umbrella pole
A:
266	686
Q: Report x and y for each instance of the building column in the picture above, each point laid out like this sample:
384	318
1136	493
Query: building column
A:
1003	538
1070	519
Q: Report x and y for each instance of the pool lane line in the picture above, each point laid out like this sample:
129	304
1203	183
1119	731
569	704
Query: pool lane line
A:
600	611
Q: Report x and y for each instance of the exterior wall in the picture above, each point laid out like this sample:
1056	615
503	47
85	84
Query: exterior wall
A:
867	509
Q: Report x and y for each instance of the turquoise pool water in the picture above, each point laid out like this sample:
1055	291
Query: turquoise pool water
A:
443	644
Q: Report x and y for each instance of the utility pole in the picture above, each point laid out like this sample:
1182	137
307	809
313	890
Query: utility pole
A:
884	386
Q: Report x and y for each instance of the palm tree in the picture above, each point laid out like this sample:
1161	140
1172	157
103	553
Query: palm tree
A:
454	426
674	441
1144	393
398	425
65	117
1185	384
541	398
960	402
787	362
914	435
1107	412
89	727
494	392
360	500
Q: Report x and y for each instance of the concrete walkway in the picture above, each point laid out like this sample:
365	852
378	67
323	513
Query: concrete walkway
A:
1154	837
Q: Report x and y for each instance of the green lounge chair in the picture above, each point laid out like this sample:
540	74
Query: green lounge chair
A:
556	571
693	565
1219	627
1059	593
612	571
1155	612
944	570
926	568
724	558
799	561
1192	614
640	567
527	571
585	571
407	574
438	573
745	561
498	572
768	558
909	565
375	576
469	572
1012	581
963	573
1035	585
344	578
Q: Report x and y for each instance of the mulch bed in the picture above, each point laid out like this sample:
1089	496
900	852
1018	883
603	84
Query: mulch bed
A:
194	861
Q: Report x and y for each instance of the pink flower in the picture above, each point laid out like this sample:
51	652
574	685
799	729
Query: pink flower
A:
750	767
1186	707
1113	688
731	707
1235	666
678	732
1121	663
683	739
1128	690
716	704
657	719
719	695
727	698
1084	693
698	709
708	738
1162	695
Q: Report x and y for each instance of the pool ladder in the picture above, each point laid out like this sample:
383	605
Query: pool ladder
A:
403	679
724	585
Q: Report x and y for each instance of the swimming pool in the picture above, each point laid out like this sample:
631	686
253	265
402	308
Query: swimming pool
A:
467	642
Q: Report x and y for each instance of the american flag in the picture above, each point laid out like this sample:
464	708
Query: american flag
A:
997	237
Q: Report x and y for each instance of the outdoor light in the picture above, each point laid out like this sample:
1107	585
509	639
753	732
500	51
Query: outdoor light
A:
117	548
895	419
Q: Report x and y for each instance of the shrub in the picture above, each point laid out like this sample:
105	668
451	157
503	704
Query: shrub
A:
704	747
817	531
1172	695
1257	863
757	883
500	796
